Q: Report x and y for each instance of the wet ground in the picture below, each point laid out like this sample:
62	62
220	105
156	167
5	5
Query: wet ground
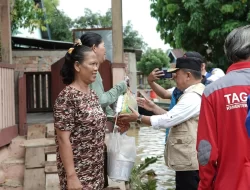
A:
150	143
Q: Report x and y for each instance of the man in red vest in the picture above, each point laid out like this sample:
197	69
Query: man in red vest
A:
223	144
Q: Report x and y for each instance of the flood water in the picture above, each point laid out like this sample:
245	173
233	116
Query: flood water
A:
150	143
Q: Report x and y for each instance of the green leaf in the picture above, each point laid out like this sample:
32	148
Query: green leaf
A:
200	25
172	8
225	9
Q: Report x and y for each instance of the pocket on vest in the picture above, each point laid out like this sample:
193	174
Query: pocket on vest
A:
180	152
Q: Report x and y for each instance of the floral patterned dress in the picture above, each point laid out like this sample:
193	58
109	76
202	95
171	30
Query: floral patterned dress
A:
82	115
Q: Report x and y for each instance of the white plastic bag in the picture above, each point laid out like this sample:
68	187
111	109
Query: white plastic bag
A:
121	156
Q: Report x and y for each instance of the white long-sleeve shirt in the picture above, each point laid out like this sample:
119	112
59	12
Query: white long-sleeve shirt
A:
187	107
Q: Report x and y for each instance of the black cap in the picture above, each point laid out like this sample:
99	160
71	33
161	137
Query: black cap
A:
195	55
187	63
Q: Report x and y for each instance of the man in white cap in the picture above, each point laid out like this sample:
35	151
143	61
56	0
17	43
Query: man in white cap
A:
215	75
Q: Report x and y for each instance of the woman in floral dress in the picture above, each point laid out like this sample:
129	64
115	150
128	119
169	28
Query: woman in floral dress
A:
79	124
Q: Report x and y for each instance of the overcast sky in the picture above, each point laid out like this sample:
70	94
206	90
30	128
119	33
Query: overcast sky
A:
138	11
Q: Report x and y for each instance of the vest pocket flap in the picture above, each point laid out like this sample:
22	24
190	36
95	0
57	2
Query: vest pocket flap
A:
180	140
181	162
179	128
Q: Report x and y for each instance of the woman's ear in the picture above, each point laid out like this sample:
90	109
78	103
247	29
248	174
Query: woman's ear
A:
94	48
76	66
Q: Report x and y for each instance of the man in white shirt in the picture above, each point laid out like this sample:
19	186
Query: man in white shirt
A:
180	152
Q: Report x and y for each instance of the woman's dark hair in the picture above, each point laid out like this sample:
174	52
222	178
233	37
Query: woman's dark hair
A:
74	54
90	38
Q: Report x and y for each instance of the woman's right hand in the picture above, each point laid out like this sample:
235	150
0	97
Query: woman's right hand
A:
74	183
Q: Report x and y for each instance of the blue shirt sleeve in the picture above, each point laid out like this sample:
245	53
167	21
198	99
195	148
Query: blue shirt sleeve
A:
247	123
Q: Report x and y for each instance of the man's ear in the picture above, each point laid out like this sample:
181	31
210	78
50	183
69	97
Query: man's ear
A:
203	66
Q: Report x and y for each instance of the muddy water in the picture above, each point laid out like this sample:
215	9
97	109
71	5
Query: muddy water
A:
150	143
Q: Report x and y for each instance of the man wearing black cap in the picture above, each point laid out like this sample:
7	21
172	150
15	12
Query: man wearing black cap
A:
204	72
180	152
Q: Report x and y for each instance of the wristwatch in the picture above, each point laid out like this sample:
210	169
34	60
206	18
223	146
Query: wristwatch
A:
139	119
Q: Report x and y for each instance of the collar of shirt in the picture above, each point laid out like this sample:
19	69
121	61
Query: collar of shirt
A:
188	88
238	66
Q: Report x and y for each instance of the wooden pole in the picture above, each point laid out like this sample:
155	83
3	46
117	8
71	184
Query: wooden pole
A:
5	31
117	35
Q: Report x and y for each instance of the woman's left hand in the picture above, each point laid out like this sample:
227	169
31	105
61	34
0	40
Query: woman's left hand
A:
130	117
126	78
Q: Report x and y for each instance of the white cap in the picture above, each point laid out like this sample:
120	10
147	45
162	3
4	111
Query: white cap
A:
216	74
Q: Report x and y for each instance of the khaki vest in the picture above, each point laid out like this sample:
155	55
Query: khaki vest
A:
180	151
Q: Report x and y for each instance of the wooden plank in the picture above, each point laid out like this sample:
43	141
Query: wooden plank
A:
43	78
51	157
4	98
50	150
5	34
49	91
34	179
7	134
1	98
8	98
6	65
36	132
50	163
117	31
39	142
22	105
30	91
50	169
52	182
37	93
50	130
34	157
12	87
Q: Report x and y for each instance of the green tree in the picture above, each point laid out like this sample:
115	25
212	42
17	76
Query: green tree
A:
131	37
60	26
59	23
151	59
27	14
200	25
50	6
94	20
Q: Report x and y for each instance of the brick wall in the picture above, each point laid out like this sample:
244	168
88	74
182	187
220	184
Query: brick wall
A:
40	60
35	60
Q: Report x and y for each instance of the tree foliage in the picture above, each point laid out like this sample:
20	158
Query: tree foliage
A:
155	58
94	20
27	14
131	38
200	25
50	6
151	59
60	26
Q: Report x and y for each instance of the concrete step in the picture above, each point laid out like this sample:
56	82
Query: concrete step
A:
15	149
11	185
13	169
